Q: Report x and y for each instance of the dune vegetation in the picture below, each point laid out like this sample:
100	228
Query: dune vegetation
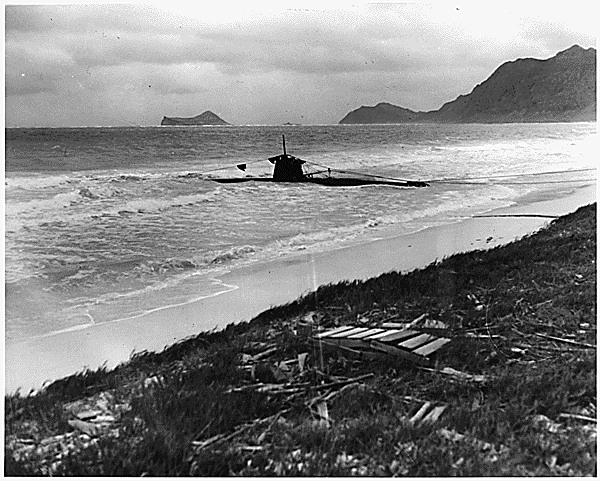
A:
262	398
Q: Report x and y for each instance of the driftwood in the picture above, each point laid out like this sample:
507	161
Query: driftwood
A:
553	349
434	415
343	383
329	395
420	413
578	416
463	376
566	341
264	354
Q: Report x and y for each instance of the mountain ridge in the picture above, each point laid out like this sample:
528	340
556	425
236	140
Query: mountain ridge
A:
558	89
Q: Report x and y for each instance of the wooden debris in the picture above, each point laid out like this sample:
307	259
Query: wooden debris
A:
87	415
384	333
252	448
459	375
90	429
431	347
395	325
343	383
523	346
334	331
302	360
566	341
363	353
220	438
434	324
473	335
366	333
152	381
331	394
417	341
387	319
434	415
26	441
418	319
323	413
372	342
397	335
319	401
262	355
578	417
311	317
420	413
426	415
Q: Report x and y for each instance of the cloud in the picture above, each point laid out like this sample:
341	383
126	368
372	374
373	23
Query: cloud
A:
256	64
32	67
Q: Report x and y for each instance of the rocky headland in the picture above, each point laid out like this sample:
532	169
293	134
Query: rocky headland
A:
559	89
206	118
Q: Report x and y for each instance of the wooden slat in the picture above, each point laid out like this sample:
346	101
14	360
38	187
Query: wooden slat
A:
386	332
367	333
333	331
434	415
430	348
415	341
338	342
354	330
397	336
403	353
420	413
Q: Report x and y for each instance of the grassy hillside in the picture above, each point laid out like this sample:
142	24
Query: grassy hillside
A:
260	398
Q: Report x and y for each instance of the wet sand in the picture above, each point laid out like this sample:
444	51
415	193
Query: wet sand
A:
261	286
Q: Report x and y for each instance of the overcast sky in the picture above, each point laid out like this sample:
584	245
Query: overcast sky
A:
101	64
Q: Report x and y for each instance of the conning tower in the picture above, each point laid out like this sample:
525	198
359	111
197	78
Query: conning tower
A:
287	167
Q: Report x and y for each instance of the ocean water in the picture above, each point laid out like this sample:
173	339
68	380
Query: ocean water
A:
104	224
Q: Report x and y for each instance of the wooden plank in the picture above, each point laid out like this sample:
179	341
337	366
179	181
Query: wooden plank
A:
386	332
353	343
395	325
430	348
344	342
403	353
366	333
434	415
333	331
415	341
463	376
420	413
369	354
354	330
397	336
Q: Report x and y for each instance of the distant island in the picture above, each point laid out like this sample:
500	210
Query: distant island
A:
206	118
558	89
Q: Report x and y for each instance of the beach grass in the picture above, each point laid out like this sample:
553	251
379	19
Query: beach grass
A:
522	324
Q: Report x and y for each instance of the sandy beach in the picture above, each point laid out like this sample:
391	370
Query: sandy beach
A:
258	287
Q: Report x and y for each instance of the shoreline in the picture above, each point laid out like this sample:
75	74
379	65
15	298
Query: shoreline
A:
261	286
